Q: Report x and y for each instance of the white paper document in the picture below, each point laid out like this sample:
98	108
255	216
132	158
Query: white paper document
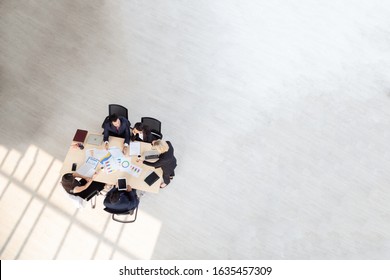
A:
89	167
135	148
116	152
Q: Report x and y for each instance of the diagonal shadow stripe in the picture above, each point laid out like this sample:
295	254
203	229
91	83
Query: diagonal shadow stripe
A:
48	203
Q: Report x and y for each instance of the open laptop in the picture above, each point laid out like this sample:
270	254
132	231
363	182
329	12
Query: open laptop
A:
95	139
151	154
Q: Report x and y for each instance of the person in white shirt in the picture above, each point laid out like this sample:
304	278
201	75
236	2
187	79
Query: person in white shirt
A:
142	133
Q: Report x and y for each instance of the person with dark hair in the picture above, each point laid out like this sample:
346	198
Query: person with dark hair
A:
118	127
142	133
83	187
121	201
166	160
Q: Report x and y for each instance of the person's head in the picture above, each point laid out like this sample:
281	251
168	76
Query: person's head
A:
161	146
139	128
68	182
114	119
114	198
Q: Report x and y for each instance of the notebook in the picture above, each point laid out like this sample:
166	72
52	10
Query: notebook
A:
95	139
80	135
152	178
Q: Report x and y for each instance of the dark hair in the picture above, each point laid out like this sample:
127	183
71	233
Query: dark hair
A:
139	126
114	197
142	127
68	182
113	117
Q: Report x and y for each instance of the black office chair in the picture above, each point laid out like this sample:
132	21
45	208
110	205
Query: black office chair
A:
89	197
131	213
117	109
92	192
92	198
154	126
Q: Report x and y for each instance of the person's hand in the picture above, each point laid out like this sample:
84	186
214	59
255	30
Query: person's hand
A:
106	146
124	150
93	176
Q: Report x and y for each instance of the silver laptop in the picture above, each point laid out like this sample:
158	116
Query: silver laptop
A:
95	139
151	154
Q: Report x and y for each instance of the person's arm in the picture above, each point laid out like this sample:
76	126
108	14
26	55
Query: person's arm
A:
75	174
127	132
153	164
106	132
84	187
163	160
133	199
148	137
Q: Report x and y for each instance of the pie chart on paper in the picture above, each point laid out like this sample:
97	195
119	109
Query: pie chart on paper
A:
125	164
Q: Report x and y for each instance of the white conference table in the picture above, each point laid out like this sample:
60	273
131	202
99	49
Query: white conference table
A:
78	156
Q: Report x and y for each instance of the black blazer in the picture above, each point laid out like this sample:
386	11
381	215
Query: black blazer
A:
167	162
127	201
123	131
88	193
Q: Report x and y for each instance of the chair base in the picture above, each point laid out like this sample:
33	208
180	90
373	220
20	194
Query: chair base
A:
129	213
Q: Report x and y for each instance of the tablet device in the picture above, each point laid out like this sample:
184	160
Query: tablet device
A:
122	186
152	178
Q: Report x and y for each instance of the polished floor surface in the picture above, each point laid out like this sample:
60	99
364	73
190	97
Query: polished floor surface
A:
279	113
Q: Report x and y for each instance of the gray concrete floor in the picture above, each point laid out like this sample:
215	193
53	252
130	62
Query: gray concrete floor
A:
278	112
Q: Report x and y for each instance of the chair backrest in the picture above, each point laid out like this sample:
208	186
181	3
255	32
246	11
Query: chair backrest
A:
154	126
106	120
117	109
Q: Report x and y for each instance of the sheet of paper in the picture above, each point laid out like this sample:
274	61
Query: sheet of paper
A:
116	152
89	167
101	154
110	165
135	148
130	168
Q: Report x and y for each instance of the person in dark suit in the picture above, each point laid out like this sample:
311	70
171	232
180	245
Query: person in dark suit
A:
166	161
142	133
121	201
82	187
118	127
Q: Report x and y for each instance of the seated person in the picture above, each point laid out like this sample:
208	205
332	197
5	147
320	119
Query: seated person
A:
83	187
118	127
166	161
142	133
121	201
